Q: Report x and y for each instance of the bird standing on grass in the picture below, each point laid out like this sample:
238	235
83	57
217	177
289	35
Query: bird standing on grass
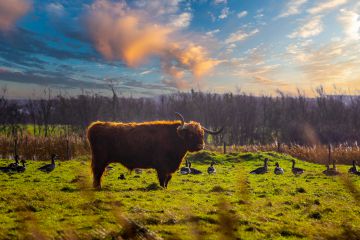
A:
211	169
49	167
353	169
278	170
331	171
295	170
261	170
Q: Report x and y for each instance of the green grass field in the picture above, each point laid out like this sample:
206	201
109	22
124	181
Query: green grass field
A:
232	204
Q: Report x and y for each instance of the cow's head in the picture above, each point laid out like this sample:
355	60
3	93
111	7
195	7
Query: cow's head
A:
193	134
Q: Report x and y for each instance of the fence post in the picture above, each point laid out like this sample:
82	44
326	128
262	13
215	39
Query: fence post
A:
224	147
68	149
329	154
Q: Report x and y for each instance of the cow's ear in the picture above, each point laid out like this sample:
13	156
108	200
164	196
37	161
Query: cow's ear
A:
181	132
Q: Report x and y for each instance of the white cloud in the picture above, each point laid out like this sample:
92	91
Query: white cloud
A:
212	33
240	35
55	9
351	23
242	14
292	8
224	13
182	21
326	5
220	1
311	28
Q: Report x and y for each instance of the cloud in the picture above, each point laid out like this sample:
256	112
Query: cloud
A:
326	5
213	32
254	67
220	1
242	14
240	35
55	9
351	23
224	13
332	63
11	11
310	28
293	7
181	21
133	35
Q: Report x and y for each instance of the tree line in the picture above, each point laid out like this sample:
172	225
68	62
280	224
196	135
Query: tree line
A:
248	119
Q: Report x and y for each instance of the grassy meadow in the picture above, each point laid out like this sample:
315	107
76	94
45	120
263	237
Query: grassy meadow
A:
231	204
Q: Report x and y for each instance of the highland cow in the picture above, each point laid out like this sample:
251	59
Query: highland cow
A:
160	145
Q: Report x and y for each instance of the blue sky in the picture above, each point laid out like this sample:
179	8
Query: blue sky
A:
147	48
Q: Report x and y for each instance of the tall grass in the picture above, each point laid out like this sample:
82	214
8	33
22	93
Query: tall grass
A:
40	148
341	154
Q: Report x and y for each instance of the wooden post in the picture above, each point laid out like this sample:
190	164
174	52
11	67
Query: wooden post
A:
329	154
15	146
224	147
278	147
67	149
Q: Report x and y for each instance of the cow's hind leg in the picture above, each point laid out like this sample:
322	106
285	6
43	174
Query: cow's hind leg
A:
162	176
98	168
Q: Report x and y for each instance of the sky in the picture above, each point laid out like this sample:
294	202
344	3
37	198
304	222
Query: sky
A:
149	48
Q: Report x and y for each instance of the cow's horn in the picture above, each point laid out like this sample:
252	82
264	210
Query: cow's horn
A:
181	118
213	132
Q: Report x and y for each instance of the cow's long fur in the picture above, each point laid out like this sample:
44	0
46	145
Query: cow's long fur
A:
160	145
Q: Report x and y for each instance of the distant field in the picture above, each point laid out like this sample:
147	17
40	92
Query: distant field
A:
232	203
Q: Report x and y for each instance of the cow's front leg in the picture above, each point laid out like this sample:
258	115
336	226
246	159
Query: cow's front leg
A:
168	177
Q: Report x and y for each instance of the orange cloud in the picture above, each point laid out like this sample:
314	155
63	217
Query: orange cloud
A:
11	11
131	35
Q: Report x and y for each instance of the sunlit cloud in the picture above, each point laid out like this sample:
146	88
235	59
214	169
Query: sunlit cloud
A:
181	21
351	23
11	11
240	35
311	28
133	36
326	5
293	7
333	63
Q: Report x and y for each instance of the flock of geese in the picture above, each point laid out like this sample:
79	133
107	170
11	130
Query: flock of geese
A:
298	171
189	170
17	168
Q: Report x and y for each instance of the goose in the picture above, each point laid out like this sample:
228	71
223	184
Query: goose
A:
330	171
49	167
353	169
194	170
21	168
296	171
211	169
278	170
185	170
109	168
261	170
138	171
14	165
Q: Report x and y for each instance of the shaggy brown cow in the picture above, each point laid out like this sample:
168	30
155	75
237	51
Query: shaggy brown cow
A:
160	145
